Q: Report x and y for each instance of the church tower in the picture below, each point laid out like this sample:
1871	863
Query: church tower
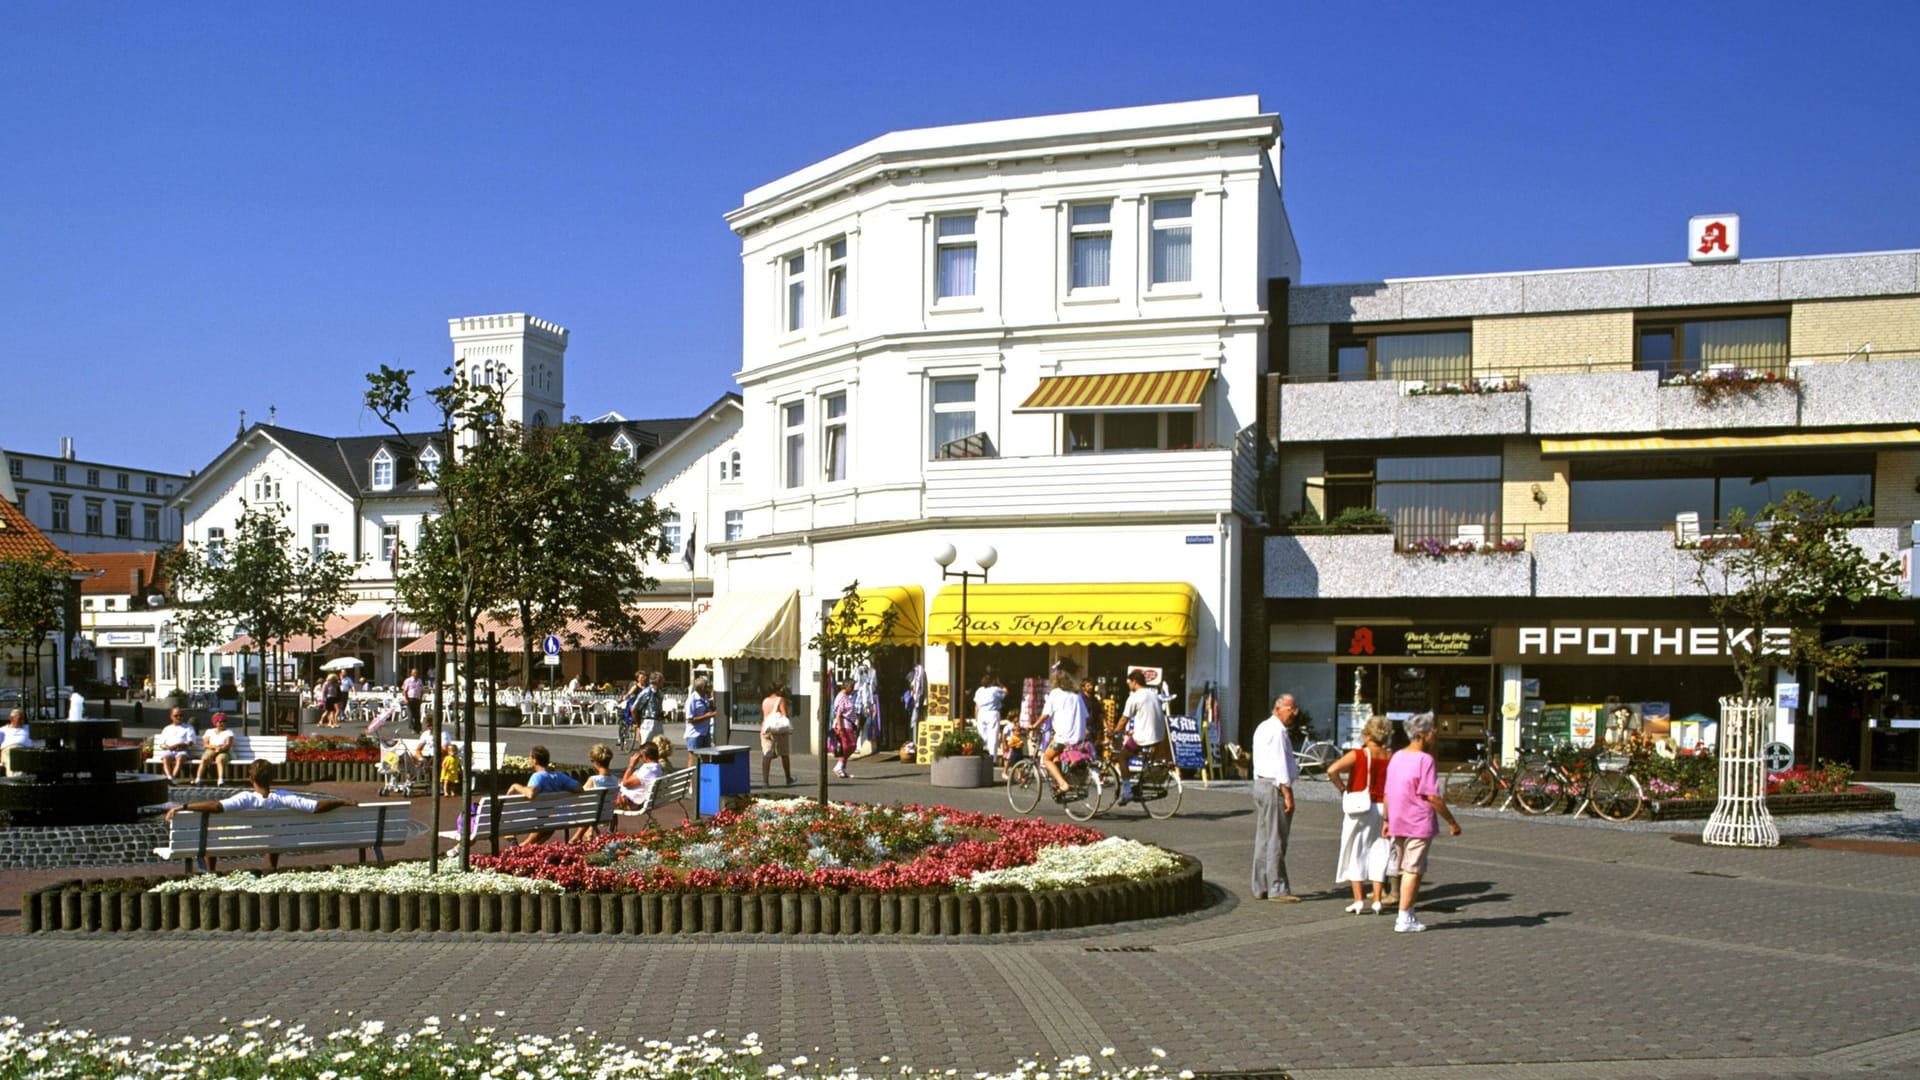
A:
525	356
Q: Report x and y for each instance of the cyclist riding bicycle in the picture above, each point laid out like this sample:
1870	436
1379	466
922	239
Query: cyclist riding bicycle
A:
1066	711
1146	731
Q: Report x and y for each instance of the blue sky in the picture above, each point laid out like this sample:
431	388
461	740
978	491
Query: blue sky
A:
210	207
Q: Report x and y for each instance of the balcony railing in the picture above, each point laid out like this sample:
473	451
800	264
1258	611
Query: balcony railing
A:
1496	537
1490	374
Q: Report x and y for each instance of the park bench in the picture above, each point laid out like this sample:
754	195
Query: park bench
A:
674	787
517	815
195	836
246	750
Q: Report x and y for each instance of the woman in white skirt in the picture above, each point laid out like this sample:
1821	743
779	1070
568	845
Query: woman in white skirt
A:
1361	775
987	703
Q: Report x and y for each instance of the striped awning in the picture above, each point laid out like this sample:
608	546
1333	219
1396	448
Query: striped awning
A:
1156	391
906	602
1786	440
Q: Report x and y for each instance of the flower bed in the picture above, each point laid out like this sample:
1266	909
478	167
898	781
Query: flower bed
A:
272	1048
332	748
1715	385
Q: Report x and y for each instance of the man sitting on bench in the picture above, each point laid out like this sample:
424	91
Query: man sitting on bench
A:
262	797
545	780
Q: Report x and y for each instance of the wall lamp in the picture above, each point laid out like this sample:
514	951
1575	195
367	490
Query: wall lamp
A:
1539	496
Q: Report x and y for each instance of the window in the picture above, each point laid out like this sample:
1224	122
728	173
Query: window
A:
62	513
1089	433
1756	344
624	446
794	416
429	465
1643	495
952	421
837	278
150	523
123	520
958	252
796	275
1440	355
123	482
670	531
15	469
736	464
833	438
95	512
1428	497
266	489
216	546
153	485
1092	229
736	525
93	477
389	542
59	474
1172	221
322	539
383	471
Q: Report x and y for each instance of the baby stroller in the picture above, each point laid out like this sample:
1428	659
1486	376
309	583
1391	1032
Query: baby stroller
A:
388	711
402	772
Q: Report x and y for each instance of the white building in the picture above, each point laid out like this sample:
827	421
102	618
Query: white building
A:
1045	335
87	506
367	495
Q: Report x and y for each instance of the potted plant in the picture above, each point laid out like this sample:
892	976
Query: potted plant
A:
960	760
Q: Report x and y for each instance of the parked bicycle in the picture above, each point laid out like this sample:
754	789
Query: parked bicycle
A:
1593	778
1482	781
1314	755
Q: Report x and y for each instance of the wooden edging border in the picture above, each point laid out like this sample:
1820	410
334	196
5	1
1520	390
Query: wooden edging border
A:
71	906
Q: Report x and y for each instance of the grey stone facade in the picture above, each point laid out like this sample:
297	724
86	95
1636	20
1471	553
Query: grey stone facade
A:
1304	567
1326	411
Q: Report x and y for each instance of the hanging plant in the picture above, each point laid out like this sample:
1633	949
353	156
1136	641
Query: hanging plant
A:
1721	384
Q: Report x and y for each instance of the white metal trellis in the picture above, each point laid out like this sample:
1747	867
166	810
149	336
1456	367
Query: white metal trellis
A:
1740	818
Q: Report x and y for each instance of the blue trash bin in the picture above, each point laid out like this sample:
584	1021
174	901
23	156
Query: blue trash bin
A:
724	771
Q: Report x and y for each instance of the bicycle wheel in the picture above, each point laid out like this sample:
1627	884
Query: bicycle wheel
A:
1107	776
1161	798
1539	790
1023	785
1468	785
1616	796
1082	798
626	738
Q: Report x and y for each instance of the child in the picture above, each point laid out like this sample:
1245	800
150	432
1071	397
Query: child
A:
450	771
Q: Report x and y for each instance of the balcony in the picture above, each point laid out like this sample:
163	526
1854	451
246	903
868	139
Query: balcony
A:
1351	567
1169	481
1383	409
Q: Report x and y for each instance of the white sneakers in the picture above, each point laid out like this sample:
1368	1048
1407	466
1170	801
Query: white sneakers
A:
1405	923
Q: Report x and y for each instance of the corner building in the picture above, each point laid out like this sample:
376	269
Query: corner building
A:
1549	423
1047	336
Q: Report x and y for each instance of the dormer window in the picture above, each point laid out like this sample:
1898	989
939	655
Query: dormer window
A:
383	471
624	445
429	464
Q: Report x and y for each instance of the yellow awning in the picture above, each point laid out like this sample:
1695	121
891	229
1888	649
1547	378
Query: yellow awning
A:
1159	391
1788	440
1123	613
905	601
755	625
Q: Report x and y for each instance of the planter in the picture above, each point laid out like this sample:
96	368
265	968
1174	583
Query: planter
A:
1871	801
964	771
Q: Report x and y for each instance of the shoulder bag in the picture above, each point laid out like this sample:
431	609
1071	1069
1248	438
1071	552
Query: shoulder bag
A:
1357	802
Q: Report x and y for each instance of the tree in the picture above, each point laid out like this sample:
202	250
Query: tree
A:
849	637
32	588
260	577
1771	580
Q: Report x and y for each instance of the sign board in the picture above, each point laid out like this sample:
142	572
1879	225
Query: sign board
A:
1650	642
1713	238
930	732
1347	722
1786	695
550	645
551	660
123	637
1201	539
1422	641
1184	732
1149	676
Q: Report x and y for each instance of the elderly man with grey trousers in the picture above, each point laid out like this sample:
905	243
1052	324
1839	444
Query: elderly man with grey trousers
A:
1273	774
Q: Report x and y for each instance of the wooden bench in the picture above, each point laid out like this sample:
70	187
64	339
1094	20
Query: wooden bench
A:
517	815
195	836
246	750
674	787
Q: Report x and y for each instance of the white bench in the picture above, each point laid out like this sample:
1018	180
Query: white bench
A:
246	750
195	836
674	787
518	815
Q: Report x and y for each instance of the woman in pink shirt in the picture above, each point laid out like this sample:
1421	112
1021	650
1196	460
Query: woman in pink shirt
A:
1413	799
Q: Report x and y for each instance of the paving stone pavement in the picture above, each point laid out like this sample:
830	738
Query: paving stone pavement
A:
1554	953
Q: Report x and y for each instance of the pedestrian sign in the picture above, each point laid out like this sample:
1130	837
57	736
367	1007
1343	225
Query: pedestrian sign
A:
551	646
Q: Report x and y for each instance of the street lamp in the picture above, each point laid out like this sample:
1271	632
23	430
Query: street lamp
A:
945	556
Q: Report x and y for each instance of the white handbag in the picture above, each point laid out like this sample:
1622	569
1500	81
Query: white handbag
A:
776	724
1357	802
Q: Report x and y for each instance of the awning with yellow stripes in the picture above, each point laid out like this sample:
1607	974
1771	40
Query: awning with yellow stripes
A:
906	602
1158	391
1788	440
1105	613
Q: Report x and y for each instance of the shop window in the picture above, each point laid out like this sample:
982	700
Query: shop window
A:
1095	433
1642	495
1438	355
1676	348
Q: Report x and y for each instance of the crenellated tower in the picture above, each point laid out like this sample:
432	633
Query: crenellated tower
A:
524	355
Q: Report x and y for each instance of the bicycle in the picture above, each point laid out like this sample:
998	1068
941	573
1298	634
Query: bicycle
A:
1315	754
1089	782
1597	779
1480	781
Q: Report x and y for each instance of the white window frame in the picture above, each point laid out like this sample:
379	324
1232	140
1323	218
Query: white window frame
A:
389	541
793	291
429	467
670	532
216	546
943	243
1090	230
322	538
153	485
62	519
149	522
837	305
93	478
59	474
122	520
1163	440
624	445
123	481
936	408
736	525
1157	226
793	431
833	437
16	468
735	458
381	478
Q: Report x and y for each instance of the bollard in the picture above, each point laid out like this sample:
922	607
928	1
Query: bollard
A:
750	914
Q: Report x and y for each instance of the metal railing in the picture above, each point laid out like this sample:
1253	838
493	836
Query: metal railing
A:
1519	537
1514	373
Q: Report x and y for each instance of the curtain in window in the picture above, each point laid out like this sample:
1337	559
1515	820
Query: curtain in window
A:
1173	254
1092	261
1754	344
1441	357
956	270
1430	498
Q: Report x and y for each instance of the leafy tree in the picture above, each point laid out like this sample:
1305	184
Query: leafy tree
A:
1771	581
32	590
849	637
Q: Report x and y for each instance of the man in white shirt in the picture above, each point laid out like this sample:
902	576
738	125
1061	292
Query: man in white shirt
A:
415	690
1146	725
14	734
261	797
175	743
1273	774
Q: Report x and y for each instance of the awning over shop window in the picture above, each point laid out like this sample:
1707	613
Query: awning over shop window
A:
341	631
749	625
1123	613
667	624
1156	391
905	601
1788	440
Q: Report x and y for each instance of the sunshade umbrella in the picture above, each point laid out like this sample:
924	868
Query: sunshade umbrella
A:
342	664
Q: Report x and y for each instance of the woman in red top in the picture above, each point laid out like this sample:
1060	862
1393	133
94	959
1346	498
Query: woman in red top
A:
1363	844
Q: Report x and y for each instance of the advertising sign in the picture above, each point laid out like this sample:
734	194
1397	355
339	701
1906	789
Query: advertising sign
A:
1713	238
1422	641
1649	642
1184	731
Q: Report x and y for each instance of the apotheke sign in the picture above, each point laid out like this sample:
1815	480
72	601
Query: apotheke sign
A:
1657	643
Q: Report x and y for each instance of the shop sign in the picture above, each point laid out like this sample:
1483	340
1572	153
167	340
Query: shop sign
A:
123	637
1426	641
1713	238
1666	643
1058	624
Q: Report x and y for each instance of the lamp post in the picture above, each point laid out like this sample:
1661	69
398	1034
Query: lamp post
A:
945	556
